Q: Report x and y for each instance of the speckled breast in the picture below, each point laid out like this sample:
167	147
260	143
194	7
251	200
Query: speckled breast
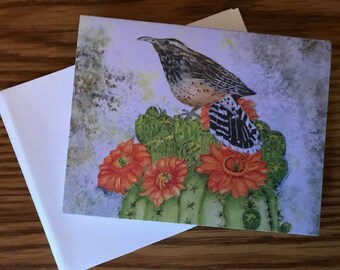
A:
194	92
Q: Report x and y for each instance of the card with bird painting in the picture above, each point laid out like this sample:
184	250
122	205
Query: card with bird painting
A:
200	126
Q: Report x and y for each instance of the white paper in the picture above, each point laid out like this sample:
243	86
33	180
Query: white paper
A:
37	116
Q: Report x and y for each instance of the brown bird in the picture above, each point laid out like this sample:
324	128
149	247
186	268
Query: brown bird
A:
197	80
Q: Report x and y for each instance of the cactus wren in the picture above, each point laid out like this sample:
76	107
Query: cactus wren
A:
197	80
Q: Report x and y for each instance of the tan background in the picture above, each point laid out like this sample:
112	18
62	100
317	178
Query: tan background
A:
39	37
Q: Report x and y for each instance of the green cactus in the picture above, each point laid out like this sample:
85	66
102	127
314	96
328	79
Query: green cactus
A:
273	151
166	136
156	130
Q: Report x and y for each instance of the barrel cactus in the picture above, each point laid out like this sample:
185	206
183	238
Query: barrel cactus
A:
190	178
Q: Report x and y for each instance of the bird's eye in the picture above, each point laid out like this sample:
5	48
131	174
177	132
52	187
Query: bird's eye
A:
166	42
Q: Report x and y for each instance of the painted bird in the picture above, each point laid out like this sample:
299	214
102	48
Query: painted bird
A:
197	80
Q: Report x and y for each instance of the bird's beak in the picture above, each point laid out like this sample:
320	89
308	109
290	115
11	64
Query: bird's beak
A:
148	39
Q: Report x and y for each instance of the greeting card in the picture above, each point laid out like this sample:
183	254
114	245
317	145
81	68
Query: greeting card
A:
199	126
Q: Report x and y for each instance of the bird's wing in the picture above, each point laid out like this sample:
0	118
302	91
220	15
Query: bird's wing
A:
218	77
230	125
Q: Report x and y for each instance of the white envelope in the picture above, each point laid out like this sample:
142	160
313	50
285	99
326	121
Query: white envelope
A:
37	116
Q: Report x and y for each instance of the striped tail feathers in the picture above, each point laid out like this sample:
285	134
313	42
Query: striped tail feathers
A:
230	125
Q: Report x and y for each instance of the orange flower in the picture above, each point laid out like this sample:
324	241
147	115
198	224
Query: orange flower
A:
123	166
229	170
164	179
247	106
205	120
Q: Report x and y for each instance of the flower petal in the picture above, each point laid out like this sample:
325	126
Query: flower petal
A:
208	168
118	177
215	153
208	158
158	186
241	187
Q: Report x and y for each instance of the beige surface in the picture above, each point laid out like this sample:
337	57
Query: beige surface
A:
218	21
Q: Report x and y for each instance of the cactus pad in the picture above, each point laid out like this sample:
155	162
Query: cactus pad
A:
196	199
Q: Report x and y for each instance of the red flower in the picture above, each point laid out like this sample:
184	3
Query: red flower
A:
164	179
247	106
123	166
229	170
205	120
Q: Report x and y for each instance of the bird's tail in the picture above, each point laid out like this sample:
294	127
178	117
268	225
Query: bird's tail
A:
230	125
